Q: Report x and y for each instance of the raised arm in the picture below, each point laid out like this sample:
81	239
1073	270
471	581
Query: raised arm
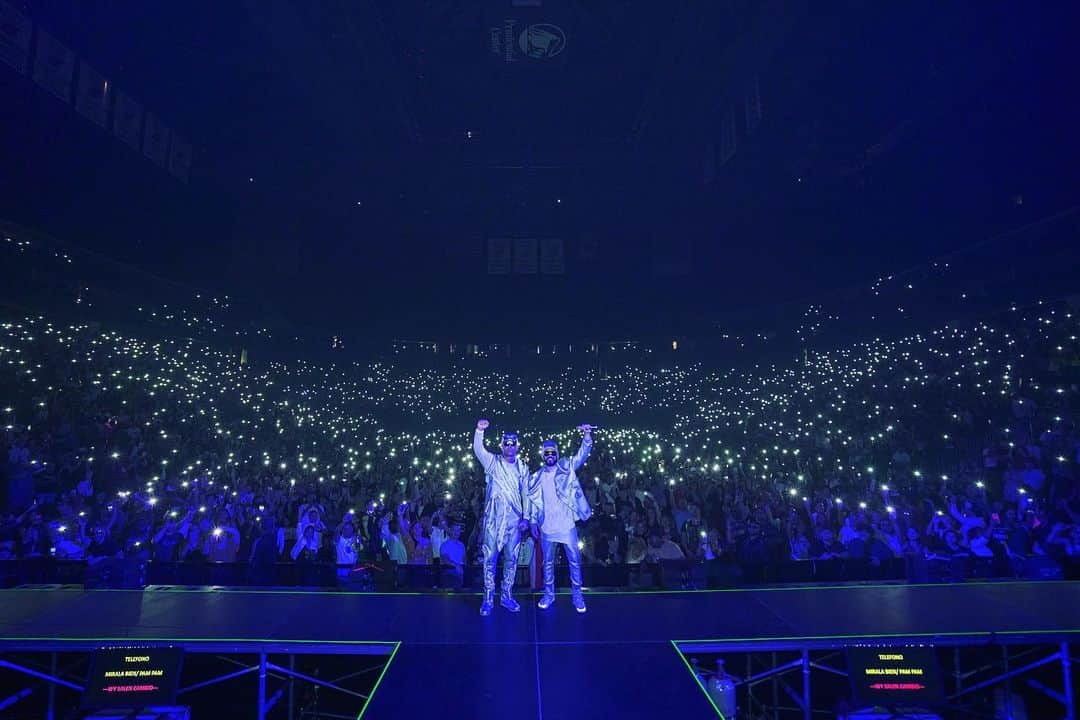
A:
481	452
586	447
403	519
112	518
954	510
298	547
22	516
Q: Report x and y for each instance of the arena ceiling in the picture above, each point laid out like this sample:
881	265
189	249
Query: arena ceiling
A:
362	148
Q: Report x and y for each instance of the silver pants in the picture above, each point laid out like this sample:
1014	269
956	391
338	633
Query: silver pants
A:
573	559
510	545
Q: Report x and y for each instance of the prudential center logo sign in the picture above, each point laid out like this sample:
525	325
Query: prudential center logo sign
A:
535	43
541	41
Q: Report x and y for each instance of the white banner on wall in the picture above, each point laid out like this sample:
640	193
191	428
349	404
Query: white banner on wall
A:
180	158
92	99
54	65
753	106
727	136
15	32
156	140
127	120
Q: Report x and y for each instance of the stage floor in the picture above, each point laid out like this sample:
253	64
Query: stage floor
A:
616	658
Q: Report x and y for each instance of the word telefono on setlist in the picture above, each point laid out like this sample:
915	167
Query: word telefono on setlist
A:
132	677
895	675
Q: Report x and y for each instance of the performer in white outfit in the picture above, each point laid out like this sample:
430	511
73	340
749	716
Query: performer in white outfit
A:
557	502
505	505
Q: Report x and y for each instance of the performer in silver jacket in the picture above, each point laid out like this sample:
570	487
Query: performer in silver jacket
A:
505	514
557	502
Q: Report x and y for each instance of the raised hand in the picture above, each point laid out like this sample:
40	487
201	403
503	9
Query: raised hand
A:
482	424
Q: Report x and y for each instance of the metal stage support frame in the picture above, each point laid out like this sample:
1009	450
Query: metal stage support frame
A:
51	677
263	667
760	654
524	657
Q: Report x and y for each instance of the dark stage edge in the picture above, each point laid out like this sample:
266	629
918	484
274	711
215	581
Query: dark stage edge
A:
552	665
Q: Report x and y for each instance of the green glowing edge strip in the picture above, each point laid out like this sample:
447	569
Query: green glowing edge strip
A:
765	639
137	639
697	680
824	588
397	646
224	589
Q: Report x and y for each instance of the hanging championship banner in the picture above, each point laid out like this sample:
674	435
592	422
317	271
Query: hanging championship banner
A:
156	140
15	31
54	66
552	257
708	163
752	104
92	98
727	136
127	120
499	256
180	158
525	256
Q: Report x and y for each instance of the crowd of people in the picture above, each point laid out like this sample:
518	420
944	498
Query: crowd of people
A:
957	442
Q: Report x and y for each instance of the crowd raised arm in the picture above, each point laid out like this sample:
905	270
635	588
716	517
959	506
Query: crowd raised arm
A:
958	442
